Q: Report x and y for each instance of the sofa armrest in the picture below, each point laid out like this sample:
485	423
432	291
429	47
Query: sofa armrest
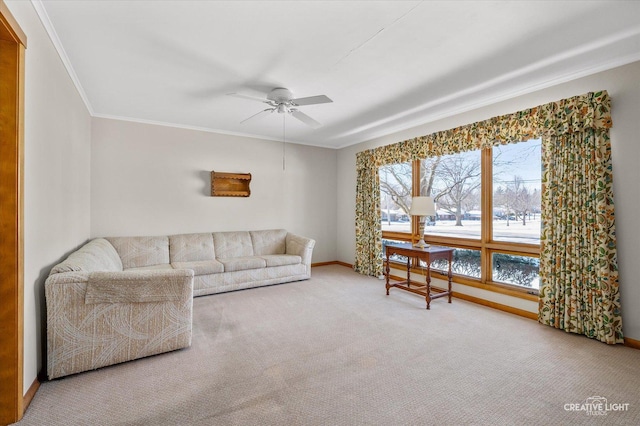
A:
111	329
96	255
138	286
63	278
300	246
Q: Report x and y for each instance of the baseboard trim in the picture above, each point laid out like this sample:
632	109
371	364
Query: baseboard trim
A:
333	262
632	343
28	397
498	306
315	265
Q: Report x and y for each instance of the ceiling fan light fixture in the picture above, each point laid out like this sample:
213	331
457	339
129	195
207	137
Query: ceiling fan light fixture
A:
282	108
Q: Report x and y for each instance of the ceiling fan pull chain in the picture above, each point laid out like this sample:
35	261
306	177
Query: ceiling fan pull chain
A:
284	143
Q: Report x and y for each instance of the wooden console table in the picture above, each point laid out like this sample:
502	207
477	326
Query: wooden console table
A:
427	254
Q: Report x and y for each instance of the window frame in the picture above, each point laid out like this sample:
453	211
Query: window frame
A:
486	244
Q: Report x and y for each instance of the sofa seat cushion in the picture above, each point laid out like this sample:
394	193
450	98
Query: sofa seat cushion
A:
281	259
202	267
163	267
243	263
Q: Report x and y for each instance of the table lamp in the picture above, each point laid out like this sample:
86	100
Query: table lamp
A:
422	207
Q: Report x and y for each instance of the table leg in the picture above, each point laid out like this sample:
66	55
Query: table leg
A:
387	269
449	275
408	271
428	279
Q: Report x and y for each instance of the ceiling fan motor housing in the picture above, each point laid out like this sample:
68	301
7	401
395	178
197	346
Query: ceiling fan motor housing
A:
280	95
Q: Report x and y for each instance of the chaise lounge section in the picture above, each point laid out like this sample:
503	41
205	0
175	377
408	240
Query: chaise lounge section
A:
123	298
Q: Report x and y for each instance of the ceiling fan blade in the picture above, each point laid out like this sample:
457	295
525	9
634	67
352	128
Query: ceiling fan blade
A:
241	96
305	119
257	114
311	100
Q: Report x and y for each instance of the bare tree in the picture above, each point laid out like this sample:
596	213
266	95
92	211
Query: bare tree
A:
522	199
395	183
428	174
536	201
453	181
458	180
516	197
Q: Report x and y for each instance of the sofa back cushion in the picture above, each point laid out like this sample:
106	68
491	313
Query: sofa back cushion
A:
96	255
232	244
141	251
269	242
191	247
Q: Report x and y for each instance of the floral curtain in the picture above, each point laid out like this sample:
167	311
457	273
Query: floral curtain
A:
578	262
578	258
368	227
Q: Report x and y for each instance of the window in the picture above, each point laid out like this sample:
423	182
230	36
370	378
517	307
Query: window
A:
487	208
465	262
454	183
516	192
519	270
394	257
395	197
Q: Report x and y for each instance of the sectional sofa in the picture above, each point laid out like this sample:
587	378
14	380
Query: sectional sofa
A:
122	298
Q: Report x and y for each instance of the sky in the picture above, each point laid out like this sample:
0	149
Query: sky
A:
523	160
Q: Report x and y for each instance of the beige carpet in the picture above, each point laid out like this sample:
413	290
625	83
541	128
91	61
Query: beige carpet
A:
336	351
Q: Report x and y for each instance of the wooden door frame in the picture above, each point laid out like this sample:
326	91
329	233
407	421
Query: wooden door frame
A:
13	43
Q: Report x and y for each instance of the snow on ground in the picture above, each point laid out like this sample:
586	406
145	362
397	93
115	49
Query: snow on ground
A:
503	230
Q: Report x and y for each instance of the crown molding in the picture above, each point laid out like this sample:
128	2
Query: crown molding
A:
203	129
53	36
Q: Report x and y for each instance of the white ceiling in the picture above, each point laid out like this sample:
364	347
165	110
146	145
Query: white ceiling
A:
387	65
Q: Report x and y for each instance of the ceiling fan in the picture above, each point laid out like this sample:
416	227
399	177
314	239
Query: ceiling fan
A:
281	100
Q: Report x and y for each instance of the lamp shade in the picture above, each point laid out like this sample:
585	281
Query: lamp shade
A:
422	206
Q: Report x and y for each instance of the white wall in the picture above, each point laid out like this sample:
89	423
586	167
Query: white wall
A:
623	86
57	156
154	180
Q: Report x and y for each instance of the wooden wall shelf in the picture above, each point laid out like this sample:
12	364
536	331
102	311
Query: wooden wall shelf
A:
230	184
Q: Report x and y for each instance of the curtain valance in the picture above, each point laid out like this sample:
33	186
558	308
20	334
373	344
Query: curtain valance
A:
591	110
